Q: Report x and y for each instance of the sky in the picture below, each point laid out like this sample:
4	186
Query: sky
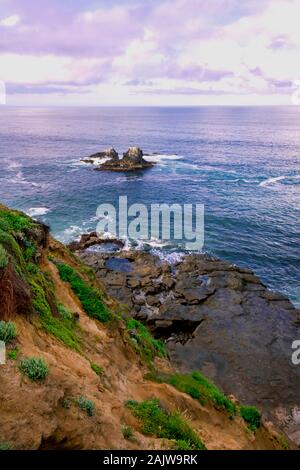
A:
150	52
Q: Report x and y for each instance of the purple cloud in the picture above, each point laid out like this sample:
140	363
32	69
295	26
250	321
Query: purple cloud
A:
135	44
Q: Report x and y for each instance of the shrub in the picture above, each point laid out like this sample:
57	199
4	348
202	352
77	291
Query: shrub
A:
127	433
144	343
251	416
158	422
86	405
8	331
35	368
3	257
97	369
90	297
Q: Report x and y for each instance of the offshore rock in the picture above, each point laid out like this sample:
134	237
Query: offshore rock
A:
132	160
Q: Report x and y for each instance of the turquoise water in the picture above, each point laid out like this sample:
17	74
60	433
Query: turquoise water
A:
243	164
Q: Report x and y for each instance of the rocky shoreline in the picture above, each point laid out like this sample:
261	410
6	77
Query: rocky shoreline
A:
132	160
215	317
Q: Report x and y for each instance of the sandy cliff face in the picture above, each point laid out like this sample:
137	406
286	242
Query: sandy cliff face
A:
96	363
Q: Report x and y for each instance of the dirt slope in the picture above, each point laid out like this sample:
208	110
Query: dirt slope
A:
45	414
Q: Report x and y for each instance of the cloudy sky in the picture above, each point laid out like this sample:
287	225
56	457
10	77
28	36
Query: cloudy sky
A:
149	52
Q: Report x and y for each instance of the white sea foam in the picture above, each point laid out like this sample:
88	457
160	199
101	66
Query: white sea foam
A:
36	211
156	243
160	157
89	161
13	165
270	181
171	258
72	232
19	178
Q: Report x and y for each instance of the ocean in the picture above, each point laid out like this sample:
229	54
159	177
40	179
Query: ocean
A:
242	163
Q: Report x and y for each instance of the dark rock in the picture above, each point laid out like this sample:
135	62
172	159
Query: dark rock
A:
132	160
91	239
109	153
134	155
219	319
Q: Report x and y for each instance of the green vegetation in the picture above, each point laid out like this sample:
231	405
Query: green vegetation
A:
97	369
4	446
13	249
35	368
90	297
86	405
283	442
8	331
156	421
65	313
32	268
251	416
143	342
198	387
128	433
62	327
212	392
3	257
17	233
13	354
29	251
66	403
14	221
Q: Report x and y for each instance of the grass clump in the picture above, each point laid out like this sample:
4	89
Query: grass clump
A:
5	446
8	331
14	221
97	369
65	313
212	392
143	342
251	416
156	421
198	387
12	248
90	297
66	403
62	327
35	368
283	442
128	433
3	257
30	251
13	354
86	405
